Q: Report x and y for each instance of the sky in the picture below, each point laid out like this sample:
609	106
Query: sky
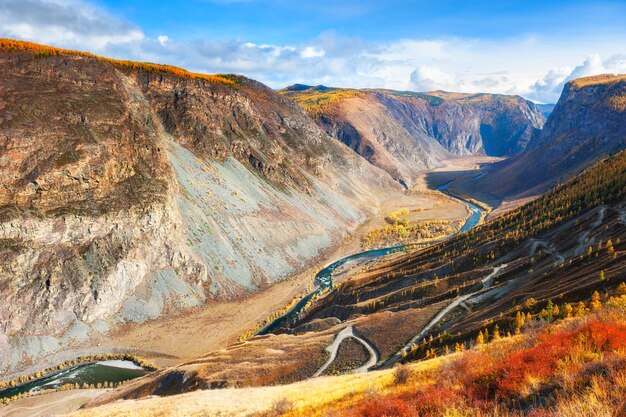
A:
530	48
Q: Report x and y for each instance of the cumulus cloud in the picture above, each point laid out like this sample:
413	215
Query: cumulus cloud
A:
71	23
426	78
549	87
534	67
312	52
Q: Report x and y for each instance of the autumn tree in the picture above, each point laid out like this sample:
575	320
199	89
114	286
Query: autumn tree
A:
595	303
480	339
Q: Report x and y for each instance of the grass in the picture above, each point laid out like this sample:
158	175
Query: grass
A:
575	367
316	102
43	51
597	80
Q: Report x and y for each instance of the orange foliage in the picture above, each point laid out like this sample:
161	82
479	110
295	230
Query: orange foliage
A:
43	51
482	380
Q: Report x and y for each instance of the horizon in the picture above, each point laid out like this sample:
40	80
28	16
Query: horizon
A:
529	49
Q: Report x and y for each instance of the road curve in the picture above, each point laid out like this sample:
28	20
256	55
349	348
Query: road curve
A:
486	283
334	347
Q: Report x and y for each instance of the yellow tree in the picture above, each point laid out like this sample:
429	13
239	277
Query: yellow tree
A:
595	303
480	339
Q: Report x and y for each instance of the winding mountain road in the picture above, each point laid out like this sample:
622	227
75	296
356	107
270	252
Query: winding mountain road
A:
486	282
334	347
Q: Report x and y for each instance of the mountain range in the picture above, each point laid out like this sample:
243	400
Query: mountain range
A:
143	196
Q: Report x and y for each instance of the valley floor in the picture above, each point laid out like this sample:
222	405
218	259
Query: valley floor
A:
178	339
171	340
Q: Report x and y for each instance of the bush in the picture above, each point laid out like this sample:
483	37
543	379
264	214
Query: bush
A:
401	374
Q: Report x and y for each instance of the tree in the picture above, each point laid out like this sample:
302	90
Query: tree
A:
590	251
595	303
621	289
609	246
602	276
496	332
567	310
480	339
519	322
580	309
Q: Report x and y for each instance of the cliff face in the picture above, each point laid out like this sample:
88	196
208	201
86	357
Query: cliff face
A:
405	133
587	123
128	191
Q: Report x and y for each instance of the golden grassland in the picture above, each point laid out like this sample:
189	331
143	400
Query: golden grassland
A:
43	51
317	102
575	367
597	80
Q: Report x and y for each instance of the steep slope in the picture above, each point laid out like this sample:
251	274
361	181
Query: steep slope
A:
132	190
405	133
413	305
587	123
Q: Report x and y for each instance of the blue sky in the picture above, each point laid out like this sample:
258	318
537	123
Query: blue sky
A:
515	47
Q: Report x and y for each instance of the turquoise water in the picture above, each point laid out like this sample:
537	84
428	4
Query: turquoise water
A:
477	212
89	373
323	279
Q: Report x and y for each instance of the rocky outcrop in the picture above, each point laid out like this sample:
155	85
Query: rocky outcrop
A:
405	133
129	191
587	124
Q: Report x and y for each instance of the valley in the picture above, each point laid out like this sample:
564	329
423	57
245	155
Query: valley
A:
200	237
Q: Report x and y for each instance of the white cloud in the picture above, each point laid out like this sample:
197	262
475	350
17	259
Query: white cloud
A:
163	39
531	66
71	23
427	78
312	52
548	88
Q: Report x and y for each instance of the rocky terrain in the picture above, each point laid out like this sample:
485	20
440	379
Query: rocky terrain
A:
558	249
129	191
588	123
406	133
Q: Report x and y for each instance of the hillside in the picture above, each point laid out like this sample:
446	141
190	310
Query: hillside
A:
557	250
406	133
587	124
569	368
130	191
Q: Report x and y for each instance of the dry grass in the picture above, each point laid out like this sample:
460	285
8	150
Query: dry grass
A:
597	80
316	102
44	51
575	368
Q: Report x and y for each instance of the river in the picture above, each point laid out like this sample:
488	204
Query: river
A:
323	279
88	373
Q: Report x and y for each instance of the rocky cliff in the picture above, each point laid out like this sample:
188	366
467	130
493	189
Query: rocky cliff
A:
587	124
405	133
132	190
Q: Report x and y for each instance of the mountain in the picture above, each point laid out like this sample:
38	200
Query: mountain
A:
132	190
405	133
546	109
587	124
558	249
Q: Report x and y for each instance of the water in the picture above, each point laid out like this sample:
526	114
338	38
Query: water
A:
323	279
477	212
89	373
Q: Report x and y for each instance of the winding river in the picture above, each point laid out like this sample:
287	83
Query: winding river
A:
323	279
117	371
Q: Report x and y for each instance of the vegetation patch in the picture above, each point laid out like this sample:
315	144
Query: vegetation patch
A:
43	51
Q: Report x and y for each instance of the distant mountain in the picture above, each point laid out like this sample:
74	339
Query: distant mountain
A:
546	109
406	132
587	124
